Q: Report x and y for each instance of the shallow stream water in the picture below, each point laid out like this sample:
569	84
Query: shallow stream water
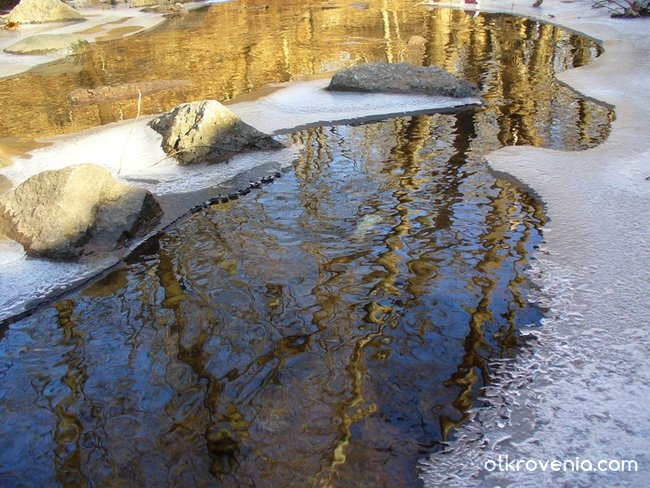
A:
328	329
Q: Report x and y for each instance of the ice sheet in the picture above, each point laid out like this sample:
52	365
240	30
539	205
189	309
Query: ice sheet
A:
132	151
308	103
581	387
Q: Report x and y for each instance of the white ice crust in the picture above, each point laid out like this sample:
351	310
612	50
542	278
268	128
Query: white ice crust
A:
581	390
308	103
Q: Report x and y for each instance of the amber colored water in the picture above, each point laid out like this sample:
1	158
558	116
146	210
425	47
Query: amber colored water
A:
329	329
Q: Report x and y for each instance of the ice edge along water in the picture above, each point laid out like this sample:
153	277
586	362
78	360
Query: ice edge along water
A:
580	387
132	152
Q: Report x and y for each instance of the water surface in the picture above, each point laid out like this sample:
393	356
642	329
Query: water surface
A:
328	329
234	49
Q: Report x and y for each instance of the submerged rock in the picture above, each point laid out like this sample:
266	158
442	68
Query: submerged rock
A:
402	78
125	91
416	41
45	43
4	159
206	131
63	214
41	11
5	185
161	5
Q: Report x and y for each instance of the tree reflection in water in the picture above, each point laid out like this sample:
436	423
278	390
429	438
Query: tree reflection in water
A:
329	329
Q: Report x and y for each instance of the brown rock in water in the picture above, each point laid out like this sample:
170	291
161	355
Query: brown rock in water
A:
206	131
360	5
175	11
416	41
63	214
45	43
402	78
42	11
103	94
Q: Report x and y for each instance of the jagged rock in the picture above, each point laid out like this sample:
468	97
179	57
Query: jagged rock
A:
41	11
63	214
45	43
175	11
206	131
401	78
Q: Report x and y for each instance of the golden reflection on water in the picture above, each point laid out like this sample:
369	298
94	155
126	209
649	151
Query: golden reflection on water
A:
231	49
329	329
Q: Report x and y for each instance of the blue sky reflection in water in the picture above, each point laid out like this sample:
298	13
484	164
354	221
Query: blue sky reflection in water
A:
331	327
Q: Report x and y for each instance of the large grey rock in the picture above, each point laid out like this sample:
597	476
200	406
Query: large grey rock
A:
63	214
206	131
41	11
45	43
401	78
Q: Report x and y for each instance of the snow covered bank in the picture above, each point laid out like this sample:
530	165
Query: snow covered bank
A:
581	388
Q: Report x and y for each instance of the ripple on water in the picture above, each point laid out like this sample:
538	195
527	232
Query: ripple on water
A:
306	327
332	327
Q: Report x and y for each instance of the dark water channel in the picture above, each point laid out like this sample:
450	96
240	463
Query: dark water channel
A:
328	329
